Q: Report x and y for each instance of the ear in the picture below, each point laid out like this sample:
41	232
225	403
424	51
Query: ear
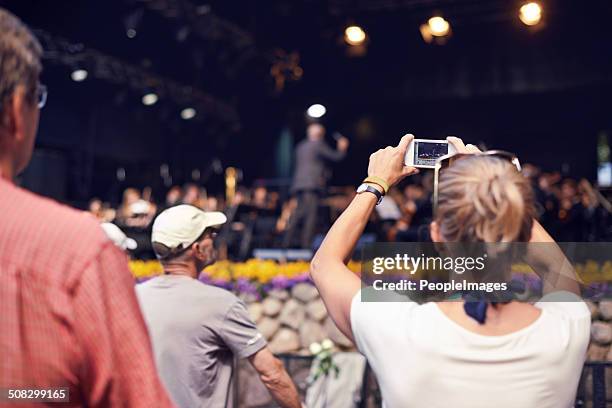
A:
197	250
434	232
14	112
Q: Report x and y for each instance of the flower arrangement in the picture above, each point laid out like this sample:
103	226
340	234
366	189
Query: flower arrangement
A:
325	365
257	277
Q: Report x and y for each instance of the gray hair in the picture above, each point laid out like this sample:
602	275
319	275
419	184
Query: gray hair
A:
20	54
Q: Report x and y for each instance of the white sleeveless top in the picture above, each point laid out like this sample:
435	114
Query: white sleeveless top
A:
422	358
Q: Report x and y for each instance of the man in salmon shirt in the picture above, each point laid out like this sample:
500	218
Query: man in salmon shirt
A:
70	326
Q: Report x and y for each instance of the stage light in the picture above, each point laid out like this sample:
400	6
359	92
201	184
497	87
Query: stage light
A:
316	111
188	113
354	35
438	26
79	75
150	99
530	13
130	32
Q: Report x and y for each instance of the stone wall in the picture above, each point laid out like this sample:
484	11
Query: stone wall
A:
601	331
291	320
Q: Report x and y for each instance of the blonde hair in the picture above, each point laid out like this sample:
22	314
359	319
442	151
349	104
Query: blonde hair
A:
484	198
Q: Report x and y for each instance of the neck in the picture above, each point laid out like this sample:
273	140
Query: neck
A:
181	269
6	170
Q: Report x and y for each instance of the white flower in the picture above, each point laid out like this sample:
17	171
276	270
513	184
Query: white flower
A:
315	348
327	344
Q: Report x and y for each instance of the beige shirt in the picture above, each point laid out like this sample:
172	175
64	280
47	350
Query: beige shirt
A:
196	331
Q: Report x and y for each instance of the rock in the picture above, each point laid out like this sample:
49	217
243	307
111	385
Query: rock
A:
284	341
292	314
596	352
609	355
255	311
316	310
268	327
310	332
605	309
272	306
335	335
248	298
280	294
601	332
593	308
304	292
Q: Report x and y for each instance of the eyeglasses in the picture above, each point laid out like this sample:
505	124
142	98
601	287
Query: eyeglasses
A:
41	95
212	234
445	162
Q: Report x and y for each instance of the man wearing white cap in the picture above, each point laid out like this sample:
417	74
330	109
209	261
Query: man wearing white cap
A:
198	329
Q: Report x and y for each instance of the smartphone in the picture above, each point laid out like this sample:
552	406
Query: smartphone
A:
424	152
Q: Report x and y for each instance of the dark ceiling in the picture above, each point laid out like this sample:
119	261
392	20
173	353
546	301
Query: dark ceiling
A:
543	93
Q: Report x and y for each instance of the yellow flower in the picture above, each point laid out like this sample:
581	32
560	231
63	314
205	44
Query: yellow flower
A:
145	269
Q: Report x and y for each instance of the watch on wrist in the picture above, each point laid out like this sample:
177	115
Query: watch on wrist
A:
364	187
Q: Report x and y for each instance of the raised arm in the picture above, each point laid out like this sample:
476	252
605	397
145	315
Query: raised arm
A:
335	282
543	254
334	155
550	264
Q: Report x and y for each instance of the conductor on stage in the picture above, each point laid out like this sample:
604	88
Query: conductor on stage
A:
309	180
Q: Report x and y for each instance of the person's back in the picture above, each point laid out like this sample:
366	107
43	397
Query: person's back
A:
479	348
198	330
68	313
67	303
420	354
309	166
311	157
192	347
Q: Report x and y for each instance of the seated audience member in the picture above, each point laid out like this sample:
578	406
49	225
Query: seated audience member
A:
118	237
135	211
571	215
192	195
101	211
212	203
197	330
597	212
68	314
95	208
449	354
260	198
130	197
173	197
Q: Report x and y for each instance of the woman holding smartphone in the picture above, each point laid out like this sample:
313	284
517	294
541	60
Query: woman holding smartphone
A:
444	354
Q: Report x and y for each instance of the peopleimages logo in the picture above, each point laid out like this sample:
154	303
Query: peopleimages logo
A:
412	264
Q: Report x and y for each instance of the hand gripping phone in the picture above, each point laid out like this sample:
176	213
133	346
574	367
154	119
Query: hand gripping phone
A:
423	153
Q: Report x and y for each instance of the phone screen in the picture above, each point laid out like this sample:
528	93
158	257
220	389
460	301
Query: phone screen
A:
426	153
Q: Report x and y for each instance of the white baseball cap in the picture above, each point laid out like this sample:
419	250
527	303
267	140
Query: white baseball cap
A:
118	237
180	226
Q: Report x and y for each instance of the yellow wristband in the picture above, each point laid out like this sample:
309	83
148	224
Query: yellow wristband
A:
379	181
